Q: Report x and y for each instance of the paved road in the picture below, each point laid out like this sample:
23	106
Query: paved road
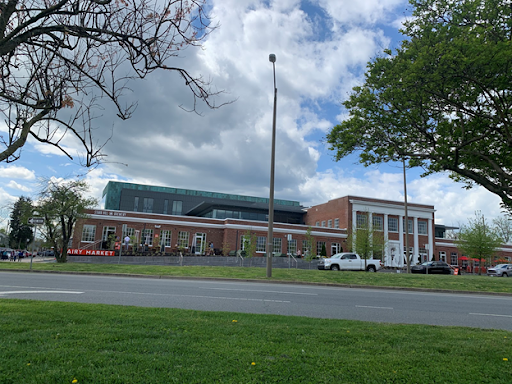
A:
266	298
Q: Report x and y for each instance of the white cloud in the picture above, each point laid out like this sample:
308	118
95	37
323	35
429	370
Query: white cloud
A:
321	55
16	172
14	185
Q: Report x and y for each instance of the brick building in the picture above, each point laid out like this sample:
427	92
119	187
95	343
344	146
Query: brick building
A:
166	219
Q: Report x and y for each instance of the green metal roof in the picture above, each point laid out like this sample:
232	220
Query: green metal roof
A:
113	189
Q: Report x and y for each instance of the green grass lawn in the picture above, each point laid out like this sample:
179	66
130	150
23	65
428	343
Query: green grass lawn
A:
449	282
53	342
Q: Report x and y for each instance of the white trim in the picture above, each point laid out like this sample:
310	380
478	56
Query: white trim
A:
391	209
262	228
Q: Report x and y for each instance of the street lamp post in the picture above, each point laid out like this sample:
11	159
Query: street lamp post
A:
270	237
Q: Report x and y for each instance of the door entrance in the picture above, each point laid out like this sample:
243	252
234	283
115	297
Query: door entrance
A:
199	243
108	238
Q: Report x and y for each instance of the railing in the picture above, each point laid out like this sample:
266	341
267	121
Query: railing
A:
290	257
91	245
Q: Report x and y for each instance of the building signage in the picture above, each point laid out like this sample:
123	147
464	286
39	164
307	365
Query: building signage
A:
90	252
109	213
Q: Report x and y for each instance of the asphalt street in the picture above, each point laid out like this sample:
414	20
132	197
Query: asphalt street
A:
376	305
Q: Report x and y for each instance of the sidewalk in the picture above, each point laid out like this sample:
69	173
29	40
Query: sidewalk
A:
37	259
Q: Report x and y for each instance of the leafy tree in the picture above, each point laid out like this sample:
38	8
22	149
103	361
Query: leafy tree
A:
503	227
367	241
249	241
478	240
61	60
323	252
62	204
443	100
21	232
310	245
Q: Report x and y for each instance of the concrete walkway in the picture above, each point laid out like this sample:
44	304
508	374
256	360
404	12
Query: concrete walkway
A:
37	259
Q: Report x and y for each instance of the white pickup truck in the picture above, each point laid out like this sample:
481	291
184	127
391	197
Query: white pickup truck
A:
349	262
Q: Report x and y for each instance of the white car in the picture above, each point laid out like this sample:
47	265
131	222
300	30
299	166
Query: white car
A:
504	270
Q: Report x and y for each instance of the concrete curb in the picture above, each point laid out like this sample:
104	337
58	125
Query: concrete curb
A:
377	287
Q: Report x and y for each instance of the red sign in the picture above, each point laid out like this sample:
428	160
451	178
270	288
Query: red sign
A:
90	252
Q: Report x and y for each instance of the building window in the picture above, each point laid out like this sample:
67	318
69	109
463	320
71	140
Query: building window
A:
329	223
454	260
88	233
377	222
336	223
277	245
410	227
147	237
319	246
177	207
148	205
182	239
165	238
442	256
392	224
422	228
305	248
361	220
292	246
317	224
261	244
136	204
323	223
166	206
127	231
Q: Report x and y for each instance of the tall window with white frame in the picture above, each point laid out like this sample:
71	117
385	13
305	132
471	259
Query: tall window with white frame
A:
377	222
319	246
261	243
292	246
147	237
361	220
392	224
277	248
183	239
422	227
165	238
454	259
410	226
336	223
88	233
136	204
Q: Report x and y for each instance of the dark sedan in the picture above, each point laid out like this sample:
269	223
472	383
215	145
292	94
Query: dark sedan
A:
434	267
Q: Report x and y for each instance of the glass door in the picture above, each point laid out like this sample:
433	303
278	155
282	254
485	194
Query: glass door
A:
199	243
108	238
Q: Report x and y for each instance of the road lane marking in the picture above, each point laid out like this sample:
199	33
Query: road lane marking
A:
490	314
17	292
196	296
263	291
369	306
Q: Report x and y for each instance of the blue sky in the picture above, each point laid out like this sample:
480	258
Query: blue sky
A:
322	47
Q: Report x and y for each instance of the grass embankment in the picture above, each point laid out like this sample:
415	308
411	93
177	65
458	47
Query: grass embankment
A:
52	342
473	283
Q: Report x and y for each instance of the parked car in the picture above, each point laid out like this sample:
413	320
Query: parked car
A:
504	270
433	267
47	254
349	262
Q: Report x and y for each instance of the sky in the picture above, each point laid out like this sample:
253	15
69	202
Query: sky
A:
322	48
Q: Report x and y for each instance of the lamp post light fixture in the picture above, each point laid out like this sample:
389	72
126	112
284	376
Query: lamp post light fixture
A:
270	237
